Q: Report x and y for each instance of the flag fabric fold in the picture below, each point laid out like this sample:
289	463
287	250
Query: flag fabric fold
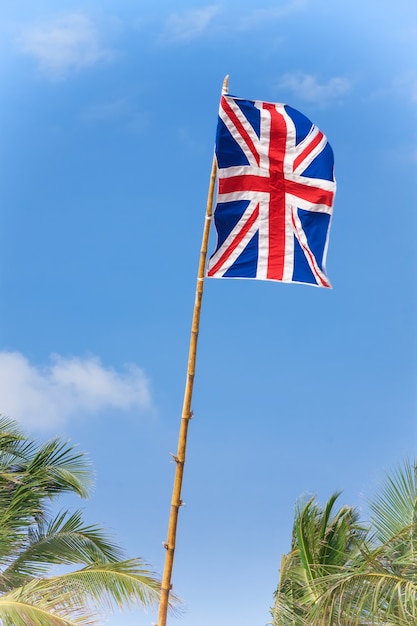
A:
275	194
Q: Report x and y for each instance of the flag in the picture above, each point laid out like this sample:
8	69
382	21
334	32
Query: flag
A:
275	194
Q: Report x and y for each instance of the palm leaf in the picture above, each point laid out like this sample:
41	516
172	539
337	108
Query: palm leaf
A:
65	541
396	506
31	476
56	468
30	606
122	583
371	598
304	523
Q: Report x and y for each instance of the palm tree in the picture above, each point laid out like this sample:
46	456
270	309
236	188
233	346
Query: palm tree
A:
92	574
372	581
323	542
380	586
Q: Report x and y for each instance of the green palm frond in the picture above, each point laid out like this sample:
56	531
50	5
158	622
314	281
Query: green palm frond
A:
10	434
77	598
30	606
304	527
31	476
359	574
28	480
51	470
65	541
56	468
76	542
293	588
325	541
395	507
366	598
122	583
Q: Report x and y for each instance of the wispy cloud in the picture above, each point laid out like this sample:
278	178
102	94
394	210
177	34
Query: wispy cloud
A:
308	88
67	43
259	16
121	109
190	140
46	396
188	25
405	85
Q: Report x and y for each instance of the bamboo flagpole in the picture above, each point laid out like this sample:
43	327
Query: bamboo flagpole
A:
176	501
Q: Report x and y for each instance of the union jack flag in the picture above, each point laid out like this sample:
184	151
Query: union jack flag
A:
275	194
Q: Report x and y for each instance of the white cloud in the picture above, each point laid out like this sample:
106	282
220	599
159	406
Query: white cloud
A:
190	24
47	396
306	87
67	43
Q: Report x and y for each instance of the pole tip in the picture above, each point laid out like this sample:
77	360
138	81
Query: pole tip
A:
225	88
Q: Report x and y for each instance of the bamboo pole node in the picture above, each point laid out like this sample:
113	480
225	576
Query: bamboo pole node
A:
174	458
166	546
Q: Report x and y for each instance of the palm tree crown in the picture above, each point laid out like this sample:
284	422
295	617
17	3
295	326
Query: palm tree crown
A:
32	541
323	542
371	577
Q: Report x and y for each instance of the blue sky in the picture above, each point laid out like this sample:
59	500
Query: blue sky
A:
108	116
